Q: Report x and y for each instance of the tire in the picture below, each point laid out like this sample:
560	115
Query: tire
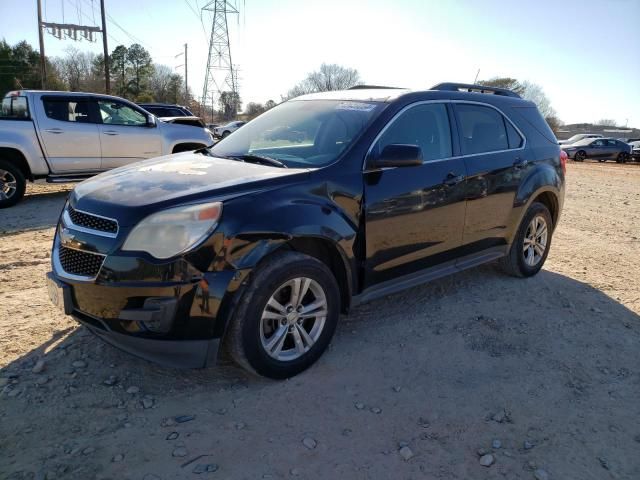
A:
622	157
226	133
580	156
12	184
515	263
252	340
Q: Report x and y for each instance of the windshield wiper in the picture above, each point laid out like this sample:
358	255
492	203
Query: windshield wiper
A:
251	158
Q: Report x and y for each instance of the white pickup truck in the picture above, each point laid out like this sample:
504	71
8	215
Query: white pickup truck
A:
61	137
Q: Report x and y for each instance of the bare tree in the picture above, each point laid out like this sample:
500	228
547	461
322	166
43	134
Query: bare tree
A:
160	81
606	122
329	77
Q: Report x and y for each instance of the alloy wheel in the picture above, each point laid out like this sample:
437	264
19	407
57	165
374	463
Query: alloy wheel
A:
293	319
580	156
8	185
535	241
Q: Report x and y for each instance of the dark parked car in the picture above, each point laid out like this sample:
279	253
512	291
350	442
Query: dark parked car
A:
635	150
262	244
601	149
166	110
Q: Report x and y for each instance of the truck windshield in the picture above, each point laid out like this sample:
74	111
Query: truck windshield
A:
15	108
301	134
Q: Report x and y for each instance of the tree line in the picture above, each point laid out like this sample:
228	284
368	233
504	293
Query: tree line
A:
136	77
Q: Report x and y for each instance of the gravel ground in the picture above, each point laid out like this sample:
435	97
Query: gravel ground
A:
477	375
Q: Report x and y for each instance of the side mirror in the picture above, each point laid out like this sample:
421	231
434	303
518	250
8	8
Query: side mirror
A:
151	121
398	155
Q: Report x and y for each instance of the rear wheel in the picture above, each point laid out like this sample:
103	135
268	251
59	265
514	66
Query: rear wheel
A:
286	317
12	184
580	156
530	247
226	134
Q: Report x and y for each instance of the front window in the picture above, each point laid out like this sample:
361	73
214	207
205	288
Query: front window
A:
301	134
115	113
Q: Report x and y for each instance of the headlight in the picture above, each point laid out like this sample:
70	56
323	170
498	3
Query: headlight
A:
171	232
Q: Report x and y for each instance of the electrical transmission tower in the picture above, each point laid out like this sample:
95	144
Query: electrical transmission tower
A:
221	74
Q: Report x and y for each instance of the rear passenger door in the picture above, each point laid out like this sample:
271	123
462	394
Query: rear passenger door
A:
69	133
496	161
414	215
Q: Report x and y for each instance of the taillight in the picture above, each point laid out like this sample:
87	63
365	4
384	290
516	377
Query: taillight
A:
563	161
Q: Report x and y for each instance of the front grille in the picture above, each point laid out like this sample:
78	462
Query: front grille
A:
80	263
92	222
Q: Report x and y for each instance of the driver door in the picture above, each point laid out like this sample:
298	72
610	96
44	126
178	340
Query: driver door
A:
125	135
414	215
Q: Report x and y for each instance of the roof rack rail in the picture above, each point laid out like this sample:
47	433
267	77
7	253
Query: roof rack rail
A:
466	87
366	87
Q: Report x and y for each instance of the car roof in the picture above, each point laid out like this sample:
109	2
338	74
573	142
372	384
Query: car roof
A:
388	95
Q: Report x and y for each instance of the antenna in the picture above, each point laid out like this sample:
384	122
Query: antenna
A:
221	74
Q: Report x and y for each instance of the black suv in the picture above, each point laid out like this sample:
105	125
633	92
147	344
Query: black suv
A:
260	243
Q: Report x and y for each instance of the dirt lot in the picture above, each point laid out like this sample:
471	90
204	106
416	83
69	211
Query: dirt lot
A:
543	373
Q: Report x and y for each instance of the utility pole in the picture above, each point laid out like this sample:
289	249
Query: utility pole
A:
186	77
43	66
107	77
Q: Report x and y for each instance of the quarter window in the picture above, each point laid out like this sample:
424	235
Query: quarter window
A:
67	110
483	129
426	126
116	113
513	137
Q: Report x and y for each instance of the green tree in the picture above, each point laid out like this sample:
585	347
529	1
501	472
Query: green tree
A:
140	68
20	68
269	104
118	59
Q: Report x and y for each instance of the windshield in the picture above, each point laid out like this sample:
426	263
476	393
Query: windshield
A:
301	134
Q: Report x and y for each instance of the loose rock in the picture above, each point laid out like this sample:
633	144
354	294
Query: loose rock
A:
376	410
79	364
118	458
133	390
172	436
496	444
147	402
205	468
359	405
527	445
184	418
406	453
294	472
88	450
180	452
38	367
487	460
309	442
111	381
541	474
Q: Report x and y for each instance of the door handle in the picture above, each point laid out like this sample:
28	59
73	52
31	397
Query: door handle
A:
53	130
110	132
520	163
453	179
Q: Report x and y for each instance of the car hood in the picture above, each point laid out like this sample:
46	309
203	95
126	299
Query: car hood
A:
132	192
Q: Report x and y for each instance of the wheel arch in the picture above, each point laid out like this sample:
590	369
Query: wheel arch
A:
18	158
186	146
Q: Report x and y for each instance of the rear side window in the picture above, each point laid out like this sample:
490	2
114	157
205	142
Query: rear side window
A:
612	143
426	126
513	137
482	129
15	108
67	110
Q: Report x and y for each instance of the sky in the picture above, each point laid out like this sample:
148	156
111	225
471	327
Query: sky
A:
584	54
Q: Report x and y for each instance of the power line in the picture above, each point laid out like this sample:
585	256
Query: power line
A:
199	17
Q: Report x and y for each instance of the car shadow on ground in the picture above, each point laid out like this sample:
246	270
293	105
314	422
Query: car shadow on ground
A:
39	209
449	364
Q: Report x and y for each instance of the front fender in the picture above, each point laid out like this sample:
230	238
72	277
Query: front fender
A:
173	135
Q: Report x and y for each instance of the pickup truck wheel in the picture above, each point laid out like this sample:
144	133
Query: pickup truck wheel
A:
530	247
12	184
286	316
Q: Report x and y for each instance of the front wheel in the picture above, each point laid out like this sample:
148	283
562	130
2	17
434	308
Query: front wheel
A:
286	317
622	157
12	184
226	134
580	156
531	244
